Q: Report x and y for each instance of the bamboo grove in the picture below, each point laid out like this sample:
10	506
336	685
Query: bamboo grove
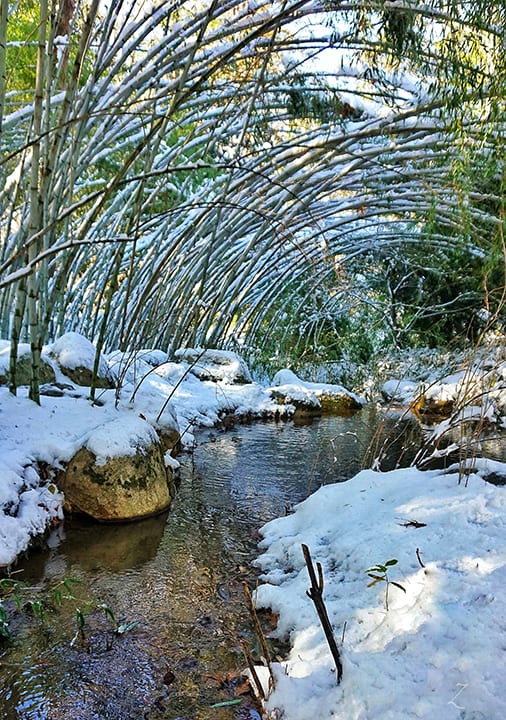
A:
205	173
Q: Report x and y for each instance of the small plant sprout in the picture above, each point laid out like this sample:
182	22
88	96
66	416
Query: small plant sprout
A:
22	596
91	608
379	573
119	628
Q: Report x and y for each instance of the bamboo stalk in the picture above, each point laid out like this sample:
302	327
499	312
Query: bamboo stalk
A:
36	202
4	9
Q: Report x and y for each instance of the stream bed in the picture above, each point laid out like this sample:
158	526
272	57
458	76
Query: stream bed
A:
174	583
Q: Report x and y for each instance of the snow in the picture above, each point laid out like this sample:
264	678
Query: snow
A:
122	436
292	387
436	652
403	391
73	351
150	398
5	350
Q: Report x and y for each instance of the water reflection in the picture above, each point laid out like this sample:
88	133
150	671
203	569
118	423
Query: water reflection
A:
180	576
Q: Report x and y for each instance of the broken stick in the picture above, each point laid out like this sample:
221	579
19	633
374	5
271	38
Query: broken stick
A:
315	592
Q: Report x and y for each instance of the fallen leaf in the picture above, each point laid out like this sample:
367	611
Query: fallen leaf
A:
413	523
243	689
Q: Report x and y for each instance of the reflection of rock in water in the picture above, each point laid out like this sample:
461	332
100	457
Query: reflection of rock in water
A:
114	547
395	441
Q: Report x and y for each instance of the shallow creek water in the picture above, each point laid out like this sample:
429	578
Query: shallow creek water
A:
179	575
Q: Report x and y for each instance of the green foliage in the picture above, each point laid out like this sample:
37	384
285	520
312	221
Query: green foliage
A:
10	589
379	573
305	101
400	31
4	622
426	295
18	595
91	608
22	46
311	331
21	60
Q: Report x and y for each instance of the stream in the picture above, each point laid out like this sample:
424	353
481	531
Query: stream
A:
174	583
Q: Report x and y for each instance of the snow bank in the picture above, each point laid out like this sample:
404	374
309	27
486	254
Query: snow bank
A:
438	651
149	398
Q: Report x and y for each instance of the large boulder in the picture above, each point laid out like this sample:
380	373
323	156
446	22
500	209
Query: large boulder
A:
313	398
437	400
75	357
399	392
120	474
291	391
215	365
23	365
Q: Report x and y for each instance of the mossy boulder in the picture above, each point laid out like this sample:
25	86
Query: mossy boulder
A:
75	357
314	398
337	402
305	403
23	366
432	409
170	439
119	475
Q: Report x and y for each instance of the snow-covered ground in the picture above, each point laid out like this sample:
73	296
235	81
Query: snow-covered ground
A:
439	651
37	438
151	393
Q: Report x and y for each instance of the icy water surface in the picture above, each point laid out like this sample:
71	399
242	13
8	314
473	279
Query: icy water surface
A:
179	576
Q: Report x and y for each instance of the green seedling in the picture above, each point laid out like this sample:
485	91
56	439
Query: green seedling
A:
23	597
379	573
10	590
119	628
63	591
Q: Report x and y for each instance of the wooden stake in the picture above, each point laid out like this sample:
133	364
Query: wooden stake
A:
315	592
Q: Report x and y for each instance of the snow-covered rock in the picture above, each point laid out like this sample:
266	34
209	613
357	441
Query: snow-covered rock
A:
216	365
289	388
75	357
23	365
399	391
120	473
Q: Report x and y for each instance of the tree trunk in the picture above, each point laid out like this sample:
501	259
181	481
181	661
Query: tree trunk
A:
67	8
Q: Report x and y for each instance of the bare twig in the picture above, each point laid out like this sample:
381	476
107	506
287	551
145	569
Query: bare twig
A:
252	670
259	632
315	592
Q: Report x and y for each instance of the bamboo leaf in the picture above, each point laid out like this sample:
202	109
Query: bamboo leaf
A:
226	703
376	580
126	627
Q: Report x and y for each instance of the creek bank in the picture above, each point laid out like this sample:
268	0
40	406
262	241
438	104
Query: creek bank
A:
49	455
458	411
180	575
411	654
